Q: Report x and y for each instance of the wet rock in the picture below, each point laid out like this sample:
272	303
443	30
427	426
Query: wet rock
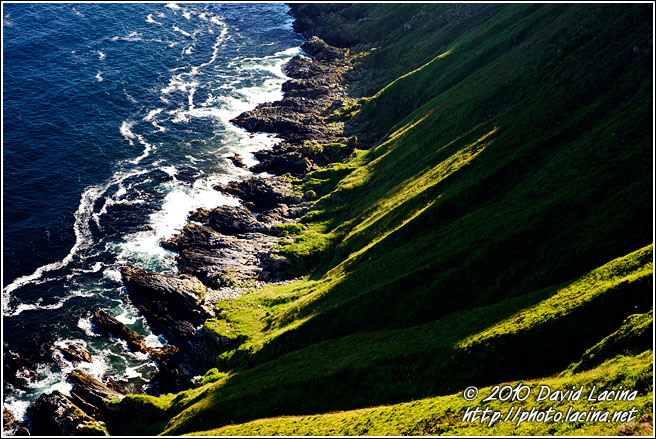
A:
183	293
281	161
173	304
277	215
228	220
76	354
55	415
230	265
237	160
199	236
90	394
260	194
163	356
108	325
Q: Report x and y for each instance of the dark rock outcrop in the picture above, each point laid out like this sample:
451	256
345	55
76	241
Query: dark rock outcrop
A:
107	325
76	354
228	220
260	194
89	394
54	414
237	160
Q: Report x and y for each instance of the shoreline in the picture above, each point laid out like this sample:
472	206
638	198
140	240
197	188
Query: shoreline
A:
240	240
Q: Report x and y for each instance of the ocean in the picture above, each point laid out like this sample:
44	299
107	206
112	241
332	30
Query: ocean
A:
116	125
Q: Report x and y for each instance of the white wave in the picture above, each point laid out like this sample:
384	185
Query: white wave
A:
180	200
172	6
83	237
146	151
151	114
17	407
176	83
98	76
150	19
127	95
170	170
112	274
101	55
84	323
154	341
132	36
126	130
216	20
38	304
150	117
160	128
186	14
183	32
126	318
78	13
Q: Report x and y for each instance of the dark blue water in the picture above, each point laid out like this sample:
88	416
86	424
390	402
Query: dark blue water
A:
116	126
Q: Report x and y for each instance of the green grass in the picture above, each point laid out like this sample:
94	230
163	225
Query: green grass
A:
444	415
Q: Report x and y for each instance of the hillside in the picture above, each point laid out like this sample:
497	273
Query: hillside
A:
493	225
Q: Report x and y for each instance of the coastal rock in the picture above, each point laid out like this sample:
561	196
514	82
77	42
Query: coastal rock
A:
237	160
280	161
303	67
260	194
54	414
90	394
319	49
173	304
230	265
117	384
109	326
198	236
76	354
183	293
228	220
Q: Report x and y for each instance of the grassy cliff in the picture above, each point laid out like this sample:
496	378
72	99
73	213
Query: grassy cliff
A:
497	228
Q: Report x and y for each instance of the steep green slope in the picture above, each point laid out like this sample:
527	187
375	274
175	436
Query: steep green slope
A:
501	219
443	415
527	337
490	189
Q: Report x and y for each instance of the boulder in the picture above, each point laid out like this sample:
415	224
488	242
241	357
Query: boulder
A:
107	325
76	354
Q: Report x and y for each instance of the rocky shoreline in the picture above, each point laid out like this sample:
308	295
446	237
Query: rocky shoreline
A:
219	251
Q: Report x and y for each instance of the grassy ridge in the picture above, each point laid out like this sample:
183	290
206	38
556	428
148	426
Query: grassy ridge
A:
489	190
501	219
443	415
526	336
